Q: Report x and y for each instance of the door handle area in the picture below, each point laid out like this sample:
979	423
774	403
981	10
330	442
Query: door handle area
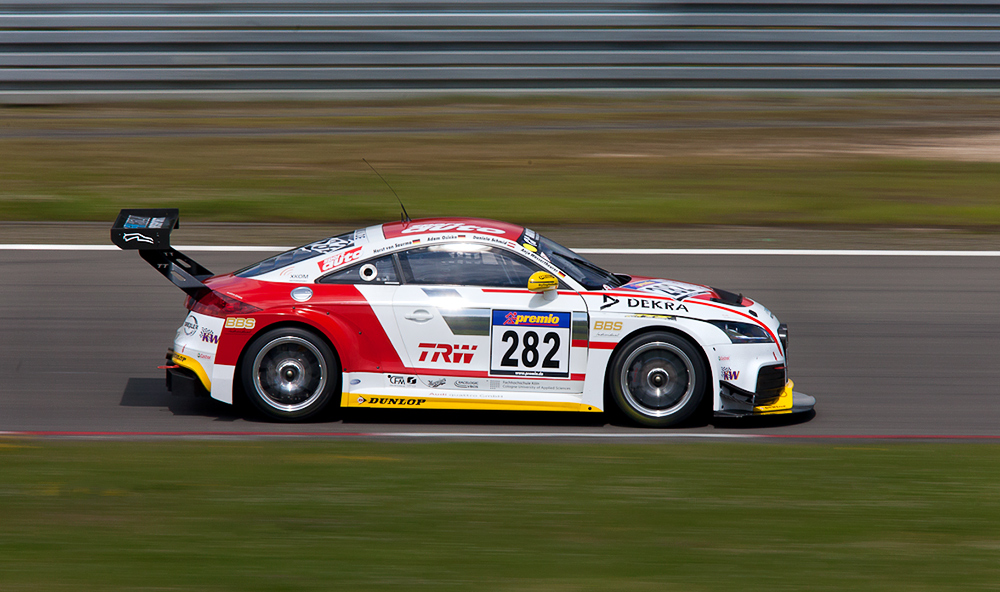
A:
420	315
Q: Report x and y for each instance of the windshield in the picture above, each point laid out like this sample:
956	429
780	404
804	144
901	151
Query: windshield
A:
588	274
320	247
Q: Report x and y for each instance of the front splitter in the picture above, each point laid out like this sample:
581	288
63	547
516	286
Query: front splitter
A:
802	402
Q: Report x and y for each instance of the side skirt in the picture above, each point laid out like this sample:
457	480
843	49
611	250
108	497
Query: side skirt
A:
370	401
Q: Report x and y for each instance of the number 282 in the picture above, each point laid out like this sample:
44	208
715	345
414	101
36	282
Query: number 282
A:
529	355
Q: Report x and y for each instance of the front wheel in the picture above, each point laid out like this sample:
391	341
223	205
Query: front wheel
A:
658	379
289	374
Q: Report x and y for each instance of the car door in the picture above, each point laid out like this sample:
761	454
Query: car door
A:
468	322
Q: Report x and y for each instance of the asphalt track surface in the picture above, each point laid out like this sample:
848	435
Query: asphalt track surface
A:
889	346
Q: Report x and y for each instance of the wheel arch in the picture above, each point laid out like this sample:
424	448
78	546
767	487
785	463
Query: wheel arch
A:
707	401
238	387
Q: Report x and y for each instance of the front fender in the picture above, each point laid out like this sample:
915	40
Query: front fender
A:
609	330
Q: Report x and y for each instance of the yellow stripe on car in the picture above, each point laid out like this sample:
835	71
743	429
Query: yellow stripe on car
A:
388	402
782	405
193	365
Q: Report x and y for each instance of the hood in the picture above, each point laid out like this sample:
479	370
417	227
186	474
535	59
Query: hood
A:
681	291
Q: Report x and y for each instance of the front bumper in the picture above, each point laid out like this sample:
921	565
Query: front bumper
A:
788	401
802	402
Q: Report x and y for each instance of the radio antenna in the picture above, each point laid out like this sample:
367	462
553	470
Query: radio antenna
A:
406	217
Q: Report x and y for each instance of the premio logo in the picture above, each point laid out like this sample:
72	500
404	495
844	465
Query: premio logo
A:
530	320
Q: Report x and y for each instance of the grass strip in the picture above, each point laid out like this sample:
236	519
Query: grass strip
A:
804	162
354	515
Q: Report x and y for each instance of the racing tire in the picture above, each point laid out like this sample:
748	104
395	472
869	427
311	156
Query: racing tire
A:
290	374
658	379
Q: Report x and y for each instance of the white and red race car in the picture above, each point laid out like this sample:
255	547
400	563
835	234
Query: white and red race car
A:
456	313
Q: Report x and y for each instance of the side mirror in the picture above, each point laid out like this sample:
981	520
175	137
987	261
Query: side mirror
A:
542	281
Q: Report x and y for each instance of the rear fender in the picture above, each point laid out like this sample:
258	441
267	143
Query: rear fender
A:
240	330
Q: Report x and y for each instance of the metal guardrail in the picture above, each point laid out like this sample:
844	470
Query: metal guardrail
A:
66	50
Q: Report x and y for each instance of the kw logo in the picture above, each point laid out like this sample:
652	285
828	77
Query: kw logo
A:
730	374
452	354
209	336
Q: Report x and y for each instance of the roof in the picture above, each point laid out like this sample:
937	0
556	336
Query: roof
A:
473	225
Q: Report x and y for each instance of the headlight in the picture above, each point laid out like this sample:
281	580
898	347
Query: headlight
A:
742	332
783	336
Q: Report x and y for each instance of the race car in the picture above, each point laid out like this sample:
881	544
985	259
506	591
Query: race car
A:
462	313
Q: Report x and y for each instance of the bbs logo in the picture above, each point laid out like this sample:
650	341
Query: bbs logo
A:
240	323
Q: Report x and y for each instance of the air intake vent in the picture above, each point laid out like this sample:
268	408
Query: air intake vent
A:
770	383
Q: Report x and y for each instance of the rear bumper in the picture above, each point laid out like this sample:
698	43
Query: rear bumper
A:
181	381
190	365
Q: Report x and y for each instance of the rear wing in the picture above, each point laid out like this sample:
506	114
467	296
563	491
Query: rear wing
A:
147	230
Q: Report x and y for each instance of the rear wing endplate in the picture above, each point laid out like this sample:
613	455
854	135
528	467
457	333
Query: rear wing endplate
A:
147	230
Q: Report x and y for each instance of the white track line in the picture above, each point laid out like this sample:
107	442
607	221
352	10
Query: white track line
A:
752	252
190	248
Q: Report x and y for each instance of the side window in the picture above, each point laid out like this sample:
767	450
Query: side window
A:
377	271
465	264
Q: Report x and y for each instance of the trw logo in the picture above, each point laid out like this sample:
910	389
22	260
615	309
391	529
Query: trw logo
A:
338	259
452	354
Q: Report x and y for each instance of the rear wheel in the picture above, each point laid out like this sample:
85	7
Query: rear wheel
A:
289	374
658	379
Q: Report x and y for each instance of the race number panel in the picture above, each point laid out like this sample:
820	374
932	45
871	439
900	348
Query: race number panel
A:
524	343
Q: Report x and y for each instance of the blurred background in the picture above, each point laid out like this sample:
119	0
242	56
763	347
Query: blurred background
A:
811	124
793	113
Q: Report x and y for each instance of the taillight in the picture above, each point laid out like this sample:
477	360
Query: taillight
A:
217	305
